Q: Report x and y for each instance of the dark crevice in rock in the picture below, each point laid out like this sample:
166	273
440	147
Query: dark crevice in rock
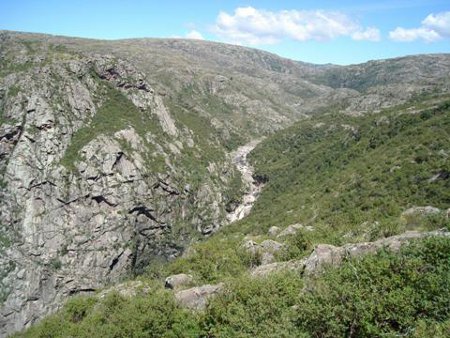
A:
115	261
77	291
260	179
46	126
97	177
143	210
10	138
10	135
147	231
40	184
32	140
118	158
101	199
167	188
71	201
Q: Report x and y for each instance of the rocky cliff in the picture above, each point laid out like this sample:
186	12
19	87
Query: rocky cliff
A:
115	154
93	179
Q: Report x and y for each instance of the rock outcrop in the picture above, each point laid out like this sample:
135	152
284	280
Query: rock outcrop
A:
293	229
197	298
325	255
270	268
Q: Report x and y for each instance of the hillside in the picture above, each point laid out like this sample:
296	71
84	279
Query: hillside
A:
335	170
116	156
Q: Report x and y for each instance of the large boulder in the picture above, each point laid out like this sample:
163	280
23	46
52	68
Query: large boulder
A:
270	268
266	250
414	215
197	298
273	231
293	229
178	281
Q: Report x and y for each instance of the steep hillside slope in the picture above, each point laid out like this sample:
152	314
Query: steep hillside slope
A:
355	175
115	155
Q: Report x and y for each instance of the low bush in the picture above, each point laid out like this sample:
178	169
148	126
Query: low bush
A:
382	295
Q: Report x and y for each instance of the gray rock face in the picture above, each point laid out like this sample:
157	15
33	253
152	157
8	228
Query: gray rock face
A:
273	231
80	207
293	229
270	268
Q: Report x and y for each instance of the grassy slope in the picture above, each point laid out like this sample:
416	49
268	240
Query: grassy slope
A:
382	295
337	172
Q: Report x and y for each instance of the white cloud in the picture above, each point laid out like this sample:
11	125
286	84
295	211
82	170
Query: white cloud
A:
434	27
440	23
412	34
248	25
196	35
370	34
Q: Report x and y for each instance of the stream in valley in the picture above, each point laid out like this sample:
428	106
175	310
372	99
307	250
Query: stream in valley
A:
253	188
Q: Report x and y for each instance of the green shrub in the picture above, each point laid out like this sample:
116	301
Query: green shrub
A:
209	262
381	295
254	308
297	245
154	315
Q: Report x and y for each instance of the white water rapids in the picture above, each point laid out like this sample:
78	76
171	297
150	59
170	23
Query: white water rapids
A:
253	188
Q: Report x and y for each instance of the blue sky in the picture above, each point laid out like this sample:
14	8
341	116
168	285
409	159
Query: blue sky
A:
341	32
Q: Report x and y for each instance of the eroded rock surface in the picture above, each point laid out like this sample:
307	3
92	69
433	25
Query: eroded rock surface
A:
197	298
86	199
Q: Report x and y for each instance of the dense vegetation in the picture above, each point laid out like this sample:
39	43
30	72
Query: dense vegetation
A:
354	176
382	295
